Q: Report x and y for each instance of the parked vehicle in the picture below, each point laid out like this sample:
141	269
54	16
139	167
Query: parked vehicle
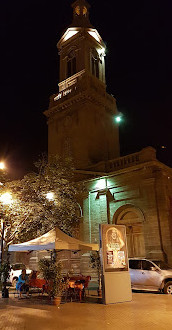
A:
16	270
150	275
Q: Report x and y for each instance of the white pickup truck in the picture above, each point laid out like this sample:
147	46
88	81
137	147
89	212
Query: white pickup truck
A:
150	275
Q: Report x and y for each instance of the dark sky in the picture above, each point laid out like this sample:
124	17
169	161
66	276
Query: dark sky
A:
138	35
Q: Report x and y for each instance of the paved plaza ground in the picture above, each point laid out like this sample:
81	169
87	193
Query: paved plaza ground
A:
146	311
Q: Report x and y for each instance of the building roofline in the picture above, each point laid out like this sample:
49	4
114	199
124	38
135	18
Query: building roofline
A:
137	167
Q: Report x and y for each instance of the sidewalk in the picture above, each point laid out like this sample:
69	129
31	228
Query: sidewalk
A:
146	311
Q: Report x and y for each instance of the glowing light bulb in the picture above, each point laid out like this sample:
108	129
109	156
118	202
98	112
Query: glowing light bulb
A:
2	165
50	196
6	198
118	119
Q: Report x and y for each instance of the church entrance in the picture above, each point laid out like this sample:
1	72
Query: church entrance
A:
133	219
135	240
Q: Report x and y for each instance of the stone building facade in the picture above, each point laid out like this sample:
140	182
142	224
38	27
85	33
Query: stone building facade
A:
135	190
137	194
81	115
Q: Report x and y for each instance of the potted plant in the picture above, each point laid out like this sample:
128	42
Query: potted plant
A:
52	273
96	264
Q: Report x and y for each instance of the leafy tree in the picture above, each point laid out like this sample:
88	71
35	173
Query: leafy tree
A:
31	213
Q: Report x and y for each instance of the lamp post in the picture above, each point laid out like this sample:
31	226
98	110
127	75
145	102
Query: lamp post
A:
2	240
2	168
50	196
5	199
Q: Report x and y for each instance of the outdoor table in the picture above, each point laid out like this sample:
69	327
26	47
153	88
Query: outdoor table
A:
75	285
78	285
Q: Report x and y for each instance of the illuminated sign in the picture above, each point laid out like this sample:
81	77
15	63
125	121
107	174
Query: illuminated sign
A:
114	249
63	93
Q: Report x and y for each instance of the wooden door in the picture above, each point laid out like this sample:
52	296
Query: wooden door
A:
135	240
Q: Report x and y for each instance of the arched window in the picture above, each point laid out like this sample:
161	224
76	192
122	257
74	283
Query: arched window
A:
95	63
84	11
133	218
71	63
77	10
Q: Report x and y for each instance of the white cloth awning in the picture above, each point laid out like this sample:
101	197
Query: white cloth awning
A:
54	239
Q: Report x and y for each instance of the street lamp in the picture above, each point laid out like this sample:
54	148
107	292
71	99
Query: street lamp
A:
2	166
50	196
2	172
5	199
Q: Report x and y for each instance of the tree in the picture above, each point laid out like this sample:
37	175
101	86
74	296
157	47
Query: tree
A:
31	213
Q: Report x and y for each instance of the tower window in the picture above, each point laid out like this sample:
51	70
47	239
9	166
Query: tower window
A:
84	11
77	10
95	63
71	64
81	10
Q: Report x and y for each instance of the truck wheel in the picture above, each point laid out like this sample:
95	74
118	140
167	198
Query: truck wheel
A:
168	288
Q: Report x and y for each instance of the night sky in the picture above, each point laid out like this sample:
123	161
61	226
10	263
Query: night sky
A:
138	36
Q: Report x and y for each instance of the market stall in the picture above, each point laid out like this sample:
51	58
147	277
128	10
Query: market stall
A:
55	239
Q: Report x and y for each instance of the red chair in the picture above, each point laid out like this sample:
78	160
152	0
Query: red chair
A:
37	283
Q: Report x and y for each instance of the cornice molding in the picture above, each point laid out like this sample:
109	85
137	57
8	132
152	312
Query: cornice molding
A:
93	97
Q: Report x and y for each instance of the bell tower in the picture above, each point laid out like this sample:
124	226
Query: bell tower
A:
81	115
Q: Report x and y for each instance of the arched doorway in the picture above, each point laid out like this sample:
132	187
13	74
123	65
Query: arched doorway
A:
133	219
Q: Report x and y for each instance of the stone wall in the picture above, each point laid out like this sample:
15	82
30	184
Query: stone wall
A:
137	197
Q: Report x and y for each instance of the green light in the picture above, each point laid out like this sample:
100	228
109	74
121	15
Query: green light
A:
118	119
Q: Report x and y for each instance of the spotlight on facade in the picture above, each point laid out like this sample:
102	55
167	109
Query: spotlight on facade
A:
101	51
101	184
118	119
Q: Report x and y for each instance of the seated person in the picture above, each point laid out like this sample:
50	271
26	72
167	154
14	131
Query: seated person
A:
23	283
33	275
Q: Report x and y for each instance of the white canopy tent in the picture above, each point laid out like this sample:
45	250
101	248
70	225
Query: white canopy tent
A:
54	239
